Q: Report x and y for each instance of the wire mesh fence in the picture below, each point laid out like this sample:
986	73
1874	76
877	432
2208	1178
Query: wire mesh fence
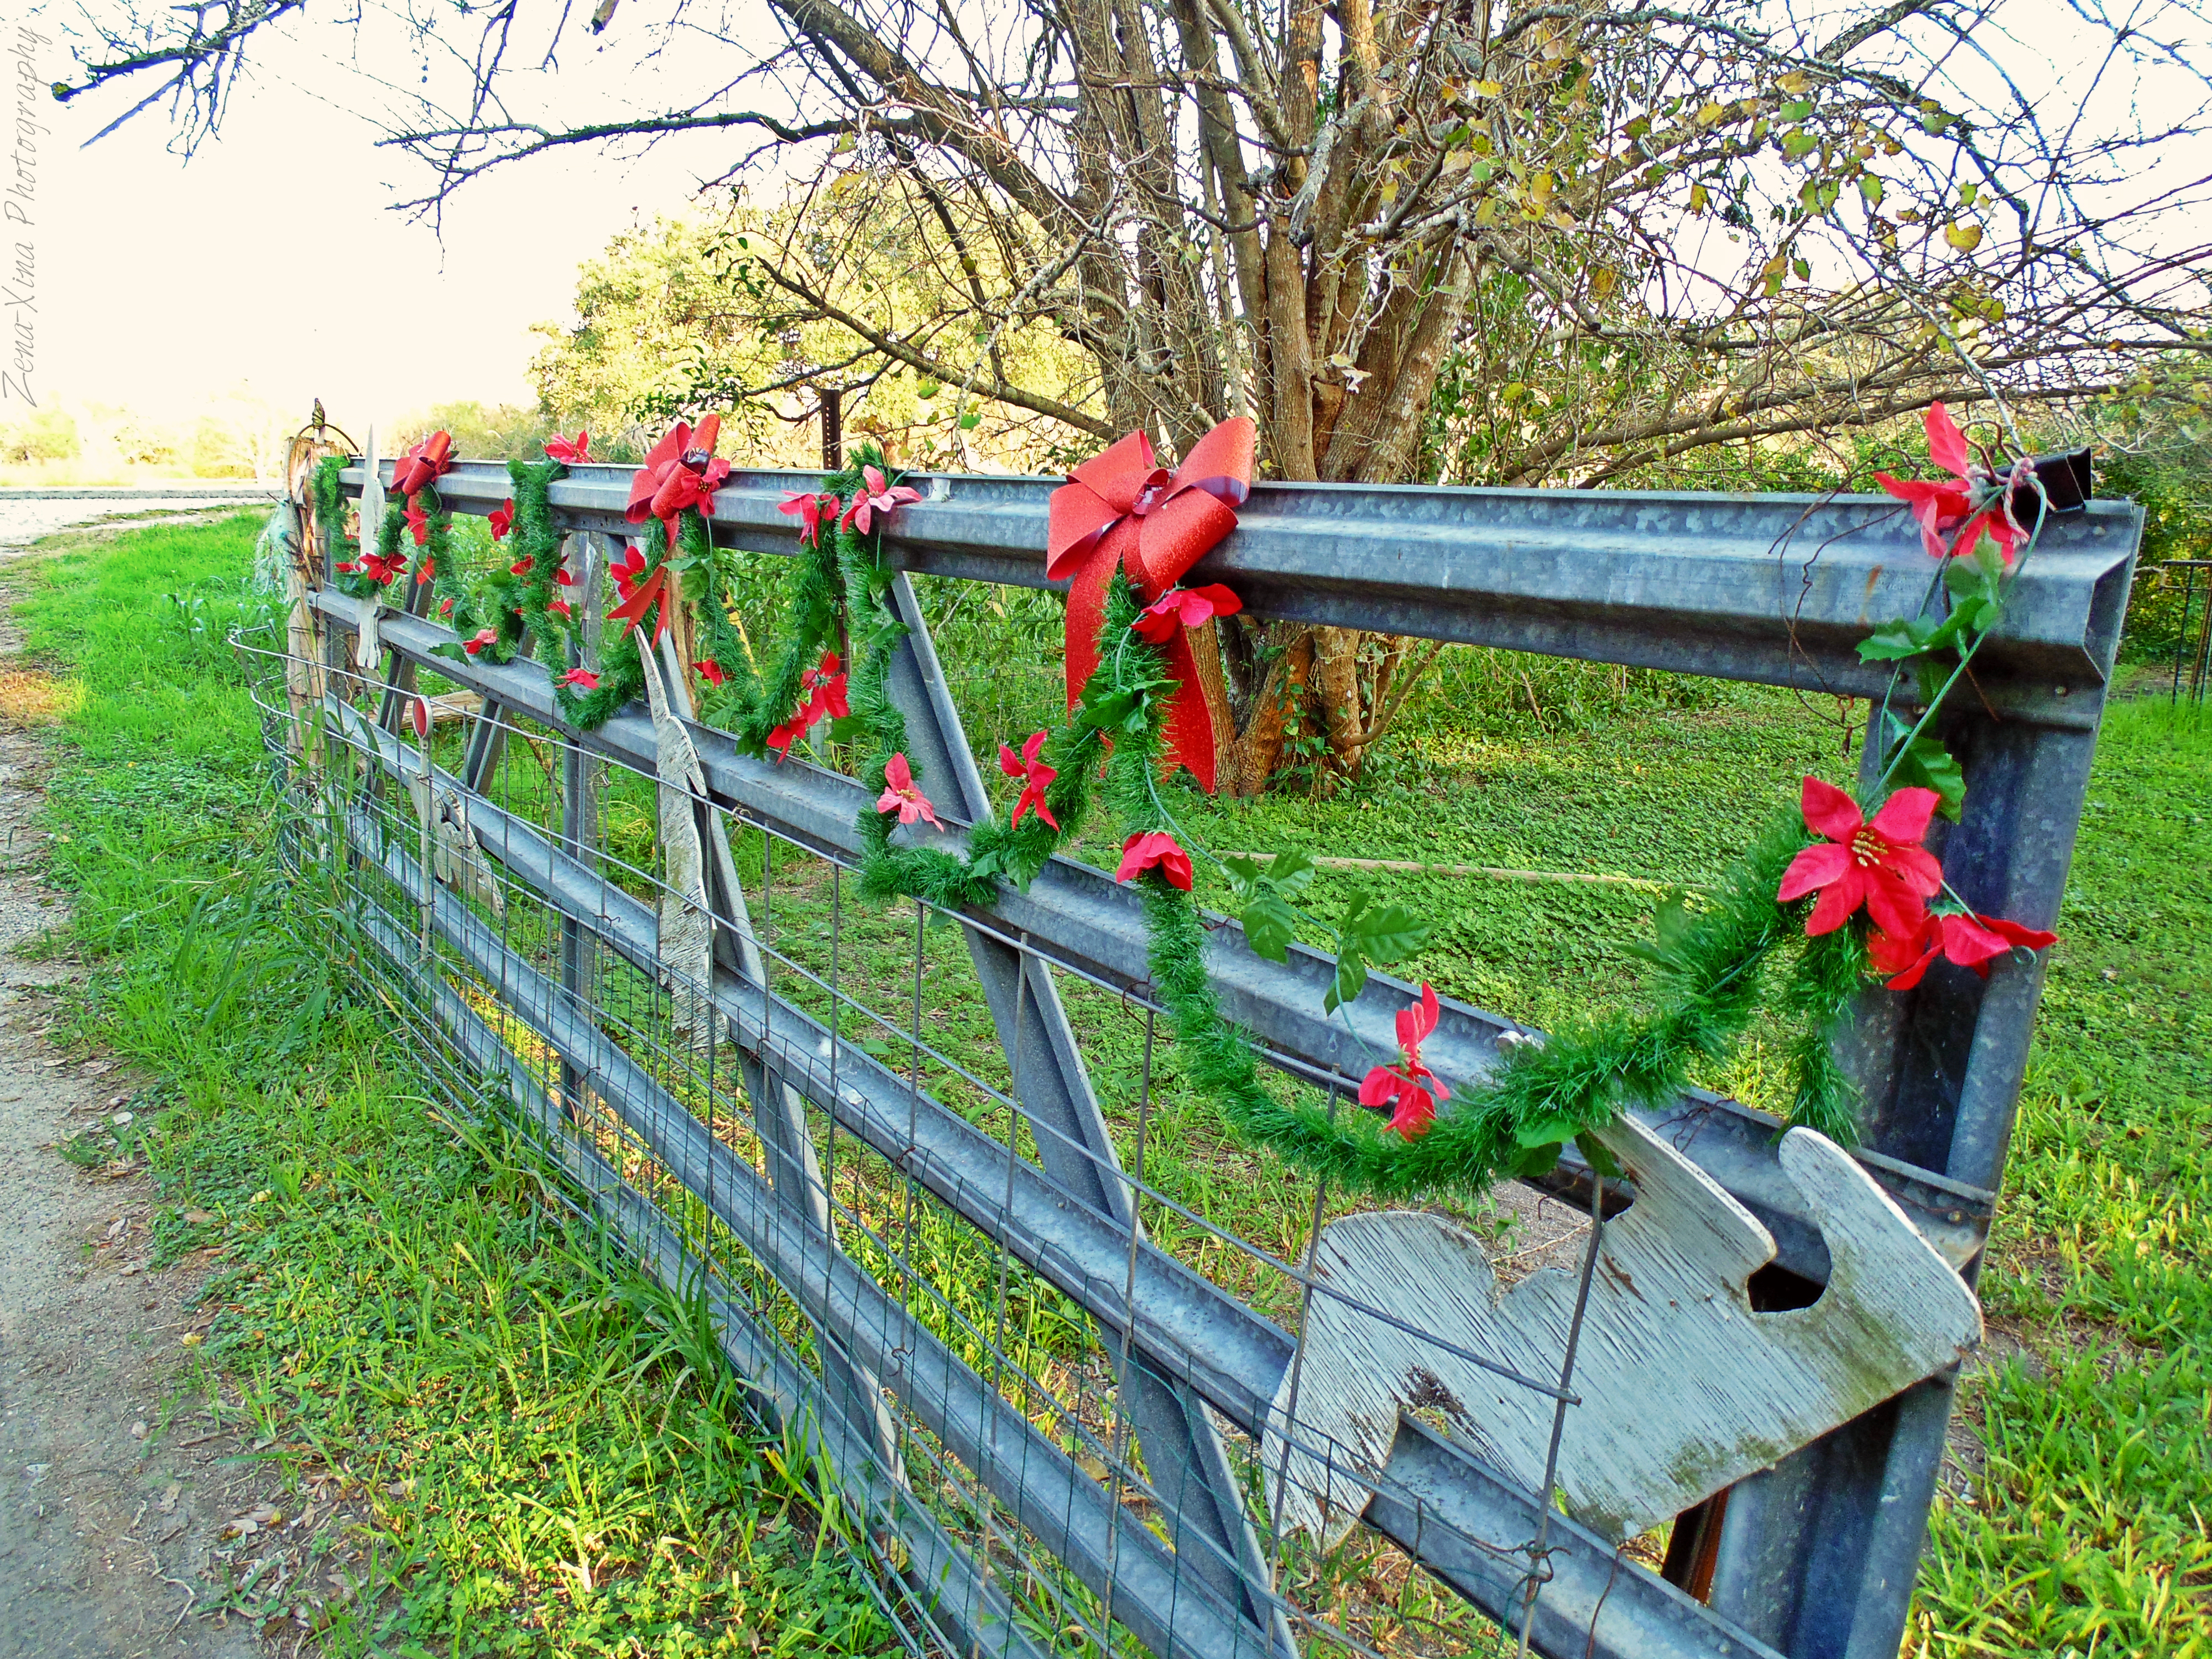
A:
823	1137
1054	1346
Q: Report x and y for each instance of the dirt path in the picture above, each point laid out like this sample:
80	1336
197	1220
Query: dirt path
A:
110	1519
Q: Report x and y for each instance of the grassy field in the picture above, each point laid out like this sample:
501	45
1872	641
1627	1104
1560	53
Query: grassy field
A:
554	1464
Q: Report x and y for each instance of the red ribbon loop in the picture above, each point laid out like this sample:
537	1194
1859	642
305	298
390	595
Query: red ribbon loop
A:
1120	508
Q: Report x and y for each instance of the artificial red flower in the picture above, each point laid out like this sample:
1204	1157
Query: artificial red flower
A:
523	566
1881	865
484	637
876	495
711	672
384	567
814	509
502	519
683	470
563	577
900	794
418	521
627	570
825	686
1412	1088
1184	607
1943	506
430	459
427	571
561	605
789	732
1153	850
445	607
582	677
1035	777
1970	940
576	451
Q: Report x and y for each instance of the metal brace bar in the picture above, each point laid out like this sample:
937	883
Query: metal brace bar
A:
973	1615
1082	919
1183	1455
1047	1489
1190	1327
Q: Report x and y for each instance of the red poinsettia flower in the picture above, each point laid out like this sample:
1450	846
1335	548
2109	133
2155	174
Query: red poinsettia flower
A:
1945	508
483	638
582	677
1184	607
901	795
445	607
875	496
1034	774
627	570
825	686
789	732
1155	849
384	567
430	459
502	519
560	606
683	470
418	521
1881	865
814	510
523	566
1409	1087
1970	940
427	571
711	672
576	451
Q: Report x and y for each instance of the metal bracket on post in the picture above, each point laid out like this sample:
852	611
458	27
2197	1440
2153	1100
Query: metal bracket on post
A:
1188	1466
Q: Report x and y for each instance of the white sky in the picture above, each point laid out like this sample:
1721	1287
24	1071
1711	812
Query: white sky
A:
271	261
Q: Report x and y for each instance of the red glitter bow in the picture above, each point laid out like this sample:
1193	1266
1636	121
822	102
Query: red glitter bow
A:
683	470
430	459
1122	509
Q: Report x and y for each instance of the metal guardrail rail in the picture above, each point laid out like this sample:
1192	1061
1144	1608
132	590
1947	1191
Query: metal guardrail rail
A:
1816	1556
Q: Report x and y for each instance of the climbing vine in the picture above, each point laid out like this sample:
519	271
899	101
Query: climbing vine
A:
1827	899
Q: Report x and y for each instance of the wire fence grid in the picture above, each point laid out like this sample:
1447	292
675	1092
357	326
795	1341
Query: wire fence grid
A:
767	1138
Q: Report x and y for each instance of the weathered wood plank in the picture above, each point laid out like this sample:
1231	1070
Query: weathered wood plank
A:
1684	1389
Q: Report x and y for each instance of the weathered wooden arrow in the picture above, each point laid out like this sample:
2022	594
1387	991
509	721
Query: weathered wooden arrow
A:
1683	1389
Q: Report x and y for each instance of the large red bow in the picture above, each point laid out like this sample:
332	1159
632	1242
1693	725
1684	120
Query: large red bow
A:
683	470
1120	508
431	458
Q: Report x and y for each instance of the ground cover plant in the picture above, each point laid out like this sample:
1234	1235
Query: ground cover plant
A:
543	1434
553	1457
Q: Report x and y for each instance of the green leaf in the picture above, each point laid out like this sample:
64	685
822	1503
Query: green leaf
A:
1270	927
1546	1132
1351	978
970	421
1537	1160
1928	765
1596	1155
1795	111
1290	872
1895	641
1244	876
1385	933
1870	189
1797	143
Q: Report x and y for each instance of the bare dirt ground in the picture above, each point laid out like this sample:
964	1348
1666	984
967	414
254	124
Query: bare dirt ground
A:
114	1501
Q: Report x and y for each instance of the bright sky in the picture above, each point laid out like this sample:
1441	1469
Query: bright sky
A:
272	260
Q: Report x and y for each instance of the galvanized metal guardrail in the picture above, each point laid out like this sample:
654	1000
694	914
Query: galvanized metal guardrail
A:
1817	1555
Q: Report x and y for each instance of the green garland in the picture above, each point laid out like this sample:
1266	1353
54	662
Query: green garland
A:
1711	972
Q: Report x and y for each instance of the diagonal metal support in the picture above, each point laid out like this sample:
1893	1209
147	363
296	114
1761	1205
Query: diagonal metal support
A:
1183	1454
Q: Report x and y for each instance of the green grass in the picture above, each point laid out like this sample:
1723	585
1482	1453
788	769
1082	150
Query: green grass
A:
550	1456
400	1305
